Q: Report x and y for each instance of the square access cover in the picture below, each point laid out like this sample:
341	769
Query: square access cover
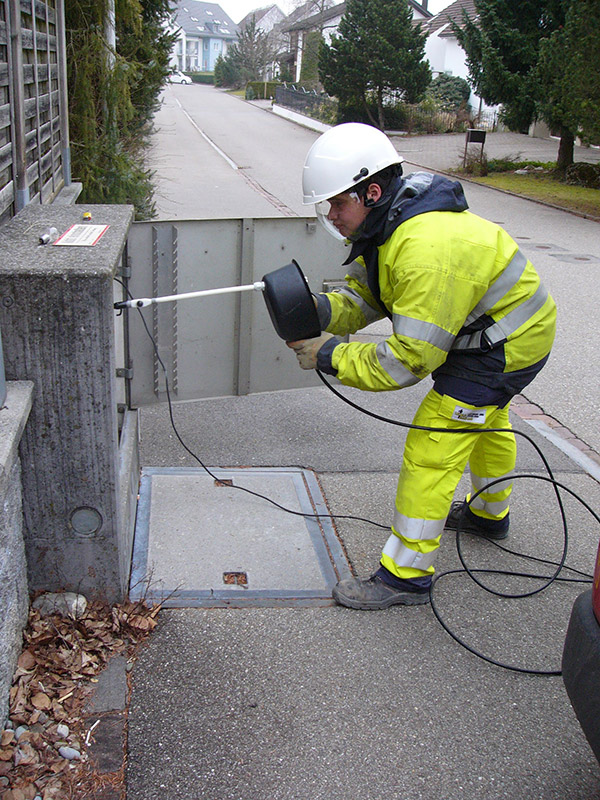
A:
210	540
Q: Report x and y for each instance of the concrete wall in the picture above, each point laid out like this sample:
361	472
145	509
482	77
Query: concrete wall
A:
14	597
58	330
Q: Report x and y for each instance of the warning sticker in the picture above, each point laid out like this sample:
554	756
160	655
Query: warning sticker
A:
473	416
82	235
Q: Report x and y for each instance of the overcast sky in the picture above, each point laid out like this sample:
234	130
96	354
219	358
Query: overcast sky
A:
237	9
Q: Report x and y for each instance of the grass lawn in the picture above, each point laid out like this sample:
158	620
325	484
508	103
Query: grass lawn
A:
543	187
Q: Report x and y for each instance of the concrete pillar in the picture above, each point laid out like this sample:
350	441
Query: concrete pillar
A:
58	330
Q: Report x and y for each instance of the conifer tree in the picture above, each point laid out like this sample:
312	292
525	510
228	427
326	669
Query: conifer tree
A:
377	52
502	46
252	52
536	58
569	73
113	92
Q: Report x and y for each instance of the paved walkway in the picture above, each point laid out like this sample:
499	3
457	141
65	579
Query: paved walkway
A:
324	703
445	151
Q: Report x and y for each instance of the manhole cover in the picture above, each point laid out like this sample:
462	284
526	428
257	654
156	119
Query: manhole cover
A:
200	540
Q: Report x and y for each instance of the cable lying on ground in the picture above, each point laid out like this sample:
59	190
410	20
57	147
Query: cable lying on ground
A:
549	580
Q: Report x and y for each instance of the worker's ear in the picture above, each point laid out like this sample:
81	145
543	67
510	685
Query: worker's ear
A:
372	195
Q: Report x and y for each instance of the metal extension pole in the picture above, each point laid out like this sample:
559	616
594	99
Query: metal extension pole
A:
142	302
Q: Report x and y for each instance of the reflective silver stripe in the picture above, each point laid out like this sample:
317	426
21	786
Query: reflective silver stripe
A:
419	529
472	342
494	509
390	364
369	313
519	316
403	556
356	271
478	482
508	278
423	331
501	330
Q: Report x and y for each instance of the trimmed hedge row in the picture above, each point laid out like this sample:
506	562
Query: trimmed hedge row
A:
261	90
202	77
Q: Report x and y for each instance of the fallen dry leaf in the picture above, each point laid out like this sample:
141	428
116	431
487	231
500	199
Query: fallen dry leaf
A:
26	660
54	675
142	623
6	753
25	754
7	738
41	701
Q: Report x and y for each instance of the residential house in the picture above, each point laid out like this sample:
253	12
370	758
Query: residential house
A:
268	20
204	32
300	23
326	21
443	51
265	19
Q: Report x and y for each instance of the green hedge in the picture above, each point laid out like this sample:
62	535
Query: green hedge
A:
422	117
261	90
202	77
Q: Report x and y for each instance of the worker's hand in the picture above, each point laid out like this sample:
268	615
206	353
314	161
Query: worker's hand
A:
307	349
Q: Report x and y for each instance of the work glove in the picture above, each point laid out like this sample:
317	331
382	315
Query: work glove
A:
307	349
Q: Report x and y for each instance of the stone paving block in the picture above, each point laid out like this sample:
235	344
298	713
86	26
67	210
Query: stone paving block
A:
107	742
111	690
585	448
526	409
564	432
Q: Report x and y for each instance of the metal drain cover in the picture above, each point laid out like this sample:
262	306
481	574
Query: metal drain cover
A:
208	540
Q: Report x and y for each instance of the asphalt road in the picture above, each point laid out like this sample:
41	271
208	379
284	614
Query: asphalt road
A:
218	156
331	704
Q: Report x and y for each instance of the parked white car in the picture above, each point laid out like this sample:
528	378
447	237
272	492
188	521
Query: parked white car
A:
178	77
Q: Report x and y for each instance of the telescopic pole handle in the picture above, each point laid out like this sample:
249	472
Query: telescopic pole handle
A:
142	302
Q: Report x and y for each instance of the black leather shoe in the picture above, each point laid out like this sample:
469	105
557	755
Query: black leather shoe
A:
469	523
373	594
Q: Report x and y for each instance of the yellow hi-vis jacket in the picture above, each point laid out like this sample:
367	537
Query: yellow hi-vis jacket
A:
463	300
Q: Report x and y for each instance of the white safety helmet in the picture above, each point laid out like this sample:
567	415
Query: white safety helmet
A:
343	157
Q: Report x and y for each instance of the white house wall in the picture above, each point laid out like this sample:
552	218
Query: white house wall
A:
273	16
330	28
445	55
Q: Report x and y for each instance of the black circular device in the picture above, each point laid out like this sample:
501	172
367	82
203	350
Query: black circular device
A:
290	304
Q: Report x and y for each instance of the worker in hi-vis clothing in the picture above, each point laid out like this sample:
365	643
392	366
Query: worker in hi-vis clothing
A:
467	307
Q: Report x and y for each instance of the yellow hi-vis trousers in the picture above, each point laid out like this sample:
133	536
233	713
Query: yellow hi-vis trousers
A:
431	469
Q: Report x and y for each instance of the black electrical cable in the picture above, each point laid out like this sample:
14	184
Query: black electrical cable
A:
470	572
466	570
236	486
473	650
556	484
474	496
